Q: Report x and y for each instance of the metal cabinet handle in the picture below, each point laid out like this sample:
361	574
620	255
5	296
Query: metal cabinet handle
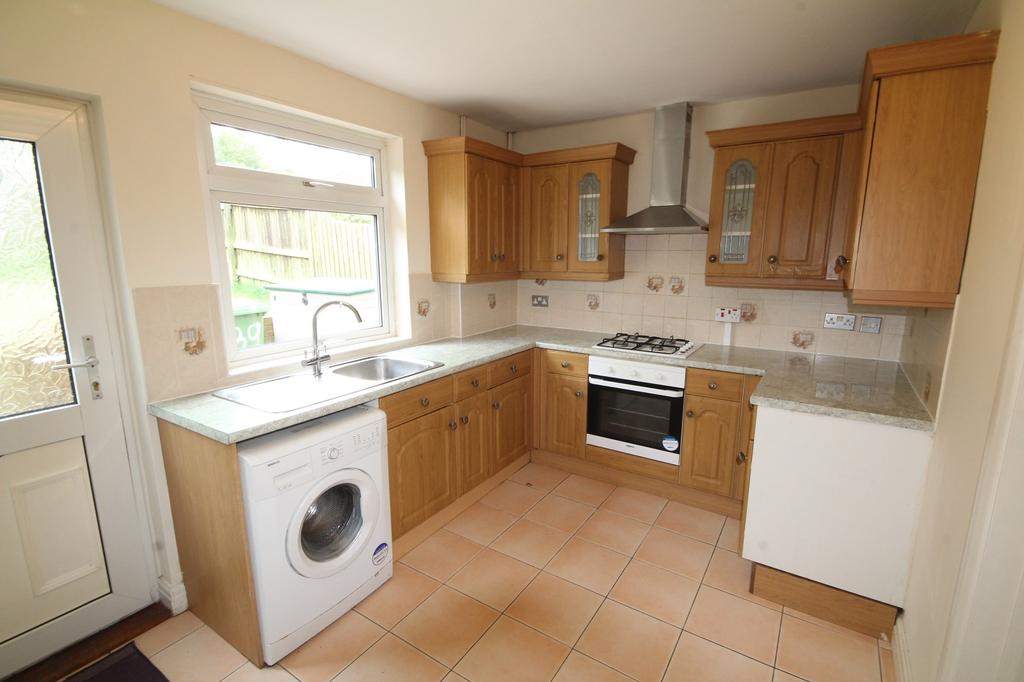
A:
496	405
424	401
475	383
453	425
600	257
565	364
464	419
494	256
579	394
773	263
501	256
559	256
713	386
841	263
741	458
513	368
712	258
689	413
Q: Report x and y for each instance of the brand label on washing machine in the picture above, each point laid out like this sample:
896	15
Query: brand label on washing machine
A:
380	555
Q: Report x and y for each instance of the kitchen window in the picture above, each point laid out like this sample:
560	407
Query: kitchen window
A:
297	217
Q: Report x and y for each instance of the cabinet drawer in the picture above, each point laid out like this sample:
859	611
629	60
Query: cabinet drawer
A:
471	382
409	404
724	385
559	362
506	369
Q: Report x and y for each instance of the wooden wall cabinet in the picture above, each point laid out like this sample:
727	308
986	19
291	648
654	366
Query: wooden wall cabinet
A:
780	199
924	108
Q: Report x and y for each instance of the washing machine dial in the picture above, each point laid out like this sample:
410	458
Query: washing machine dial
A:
333	453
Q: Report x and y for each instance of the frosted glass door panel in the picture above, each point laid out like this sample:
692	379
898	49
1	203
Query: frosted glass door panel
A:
738	211
32	334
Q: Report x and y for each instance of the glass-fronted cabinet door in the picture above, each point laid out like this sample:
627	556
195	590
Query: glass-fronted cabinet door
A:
739	194
590	205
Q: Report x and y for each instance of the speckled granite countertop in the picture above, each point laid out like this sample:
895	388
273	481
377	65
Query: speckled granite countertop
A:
867	390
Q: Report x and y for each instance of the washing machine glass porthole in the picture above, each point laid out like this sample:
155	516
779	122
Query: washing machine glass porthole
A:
332	522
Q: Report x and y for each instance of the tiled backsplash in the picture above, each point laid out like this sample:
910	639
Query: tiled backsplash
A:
663	293
924	352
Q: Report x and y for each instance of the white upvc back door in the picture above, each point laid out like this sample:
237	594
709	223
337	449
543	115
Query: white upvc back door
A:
73	549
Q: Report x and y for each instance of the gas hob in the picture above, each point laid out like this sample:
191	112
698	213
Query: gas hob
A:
649	345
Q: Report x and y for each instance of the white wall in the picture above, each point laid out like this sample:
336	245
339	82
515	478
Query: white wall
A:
975	363
634	304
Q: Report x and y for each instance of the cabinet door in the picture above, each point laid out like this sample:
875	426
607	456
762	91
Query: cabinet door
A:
510	405
565	414
480	214
507	218
739	196
800	198
589	211
473	441
549	218
709	443
422	468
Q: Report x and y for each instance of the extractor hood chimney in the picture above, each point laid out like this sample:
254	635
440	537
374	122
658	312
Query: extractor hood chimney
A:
668	213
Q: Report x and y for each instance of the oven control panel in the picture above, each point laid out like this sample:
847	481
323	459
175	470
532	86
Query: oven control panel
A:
646	372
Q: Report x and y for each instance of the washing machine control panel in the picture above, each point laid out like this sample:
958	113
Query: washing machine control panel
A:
338	452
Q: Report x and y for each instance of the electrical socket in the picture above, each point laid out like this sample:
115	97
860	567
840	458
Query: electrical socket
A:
840	321
727	315
538	301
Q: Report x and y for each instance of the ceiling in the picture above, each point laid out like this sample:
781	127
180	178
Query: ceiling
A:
532	63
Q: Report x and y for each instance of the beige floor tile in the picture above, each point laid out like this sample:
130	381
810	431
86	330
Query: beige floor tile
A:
250	673
663	594
392	659
730	573
783	676
560	513
675	552
539	476
585	490
199	656
827	624
888	665
512	652
454	677
819	653
441	555
397	597
629	641
340	643
556	607
735	623
481	523
530	542
730	537
635	504
580	668
158	638
493	578
513	498
697	523
446	625
591	566
614	531
698	660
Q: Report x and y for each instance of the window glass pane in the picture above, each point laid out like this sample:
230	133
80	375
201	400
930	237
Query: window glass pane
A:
32	333
285	263
240	148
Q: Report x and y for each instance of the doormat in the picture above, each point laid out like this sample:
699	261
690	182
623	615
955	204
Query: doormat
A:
127	663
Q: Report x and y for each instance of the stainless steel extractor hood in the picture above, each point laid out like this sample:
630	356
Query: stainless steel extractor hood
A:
668	213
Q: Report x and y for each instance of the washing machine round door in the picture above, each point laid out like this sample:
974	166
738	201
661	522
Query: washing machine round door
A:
333	524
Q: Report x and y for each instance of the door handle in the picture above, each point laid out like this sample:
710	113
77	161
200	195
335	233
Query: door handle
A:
565	364
89	362
513	369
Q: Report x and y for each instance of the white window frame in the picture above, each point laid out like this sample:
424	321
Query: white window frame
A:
261	188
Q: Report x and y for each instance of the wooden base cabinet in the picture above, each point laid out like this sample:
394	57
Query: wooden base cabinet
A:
565	415
511	420
422	468
473	442
709	444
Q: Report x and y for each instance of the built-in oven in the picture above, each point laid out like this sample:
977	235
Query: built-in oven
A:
636	408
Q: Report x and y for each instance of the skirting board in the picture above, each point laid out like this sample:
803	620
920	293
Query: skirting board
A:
436	522
870	617
673	491
901	652
173	596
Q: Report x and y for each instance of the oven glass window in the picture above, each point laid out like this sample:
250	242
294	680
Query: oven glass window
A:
633	417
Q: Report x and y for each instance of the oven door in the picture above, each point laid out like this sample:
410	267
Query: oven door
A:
635	418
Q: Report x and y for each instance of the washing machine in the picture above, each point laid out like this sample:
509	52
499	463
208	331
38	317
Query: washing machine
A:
318	520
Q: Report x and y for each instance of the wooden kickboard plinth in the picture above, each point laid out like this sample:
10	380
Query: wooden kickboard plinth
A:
867	616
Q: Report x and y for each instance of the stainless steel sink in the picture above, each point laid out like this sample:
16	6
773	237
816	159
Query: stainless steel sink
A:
381	369
302	390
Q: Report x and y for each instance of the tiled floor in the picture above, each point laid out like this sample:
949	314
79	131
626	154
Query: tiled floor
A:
558	577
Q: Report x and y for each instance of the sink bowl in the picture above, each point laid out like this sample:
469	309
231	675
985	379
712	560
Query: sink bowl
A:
381	369
303	390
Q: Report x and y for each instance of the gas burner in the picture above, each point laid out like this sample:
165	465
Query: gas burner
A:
643	343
